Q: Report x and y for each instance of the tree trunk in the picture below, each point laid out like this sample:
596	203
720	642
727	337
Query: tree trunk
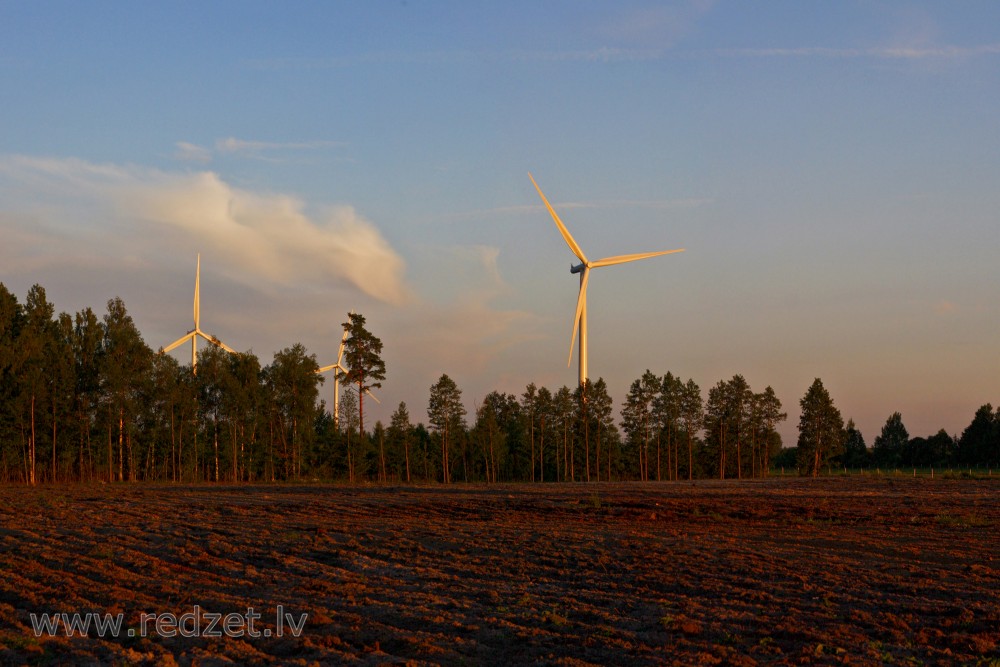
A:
31	444
121	444
658	477
690	456
532	431
54	423
541	452
381	454
406	454
597	454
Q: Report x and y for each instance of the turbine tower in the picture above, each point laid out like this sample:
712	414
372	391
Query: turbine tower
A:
194	333
338	366
580	319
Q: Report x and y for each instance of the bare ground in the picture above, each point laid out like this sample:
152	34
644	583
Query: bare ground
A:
829	571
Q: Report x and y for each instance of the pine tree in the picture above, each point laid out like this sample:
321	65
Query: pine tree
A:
401	436
446	415
363	361
888	448
856	453
821	430
692	413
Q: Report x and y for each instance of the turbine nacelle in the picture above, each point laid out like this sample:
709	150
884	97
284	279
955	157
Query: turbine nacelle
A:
578	268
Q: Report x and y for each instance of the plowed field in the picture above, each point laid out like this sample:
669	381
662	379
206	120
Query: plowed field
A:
829	571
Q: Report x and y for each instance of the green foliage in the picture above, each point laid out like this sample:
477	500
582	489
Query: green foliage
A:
821	430
446	415
980	441
83	397
887	450
855	454
362	361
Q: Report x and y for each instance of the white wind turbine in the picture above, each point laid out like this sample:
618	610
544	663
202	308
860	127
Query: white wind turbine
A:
194	333
339	368
580	319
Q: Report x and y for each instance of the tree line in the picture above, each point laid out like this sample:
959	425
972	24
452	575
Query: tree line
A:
84	398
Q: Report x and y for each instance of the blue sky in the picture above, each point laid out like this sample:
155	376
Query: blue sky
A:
831	168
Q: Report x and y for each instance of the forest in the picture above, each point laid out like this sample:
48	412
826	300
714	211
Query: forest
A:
84	398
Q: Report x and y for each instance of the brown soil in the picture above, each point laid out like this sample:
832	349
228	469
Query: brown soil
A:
846	571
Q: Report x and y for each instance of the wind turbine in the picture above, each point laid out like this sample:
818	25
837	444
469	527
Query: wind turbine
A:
336	379
580	319
194	333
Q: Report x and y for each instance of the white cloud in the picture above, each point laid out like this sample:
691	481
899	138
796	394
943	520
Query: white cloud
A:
889	53
192	152
258	236
254	148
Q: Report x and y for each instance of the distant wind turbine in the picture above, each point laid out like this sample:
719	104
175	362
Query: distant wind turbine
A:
194	333
336	379
580	319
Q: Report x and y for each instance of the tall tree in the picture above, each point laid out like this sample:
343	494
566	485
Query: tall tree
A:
564	409
11	321
887	450
349	423
401	436
529	407
855	453
692	414
34	351
87	342
979	443
125	361
666	413
740	397
244	404
545	411
446	415
717	425
601	407
637	418
767	415
581	397
938	450
363	361
821	429
294	385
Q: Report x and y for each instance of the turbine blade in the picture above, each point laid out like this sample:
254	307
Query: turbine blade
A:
621	259
374	398
177	343
570	241
224	346
214	341
581	302
326	368
340	352
197	300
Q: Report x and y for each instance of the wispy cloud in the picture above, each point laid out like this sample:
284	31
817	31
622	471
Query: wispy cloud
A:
621	54
248	148
258	236
192	152
879	52
532	209
253	147
462	327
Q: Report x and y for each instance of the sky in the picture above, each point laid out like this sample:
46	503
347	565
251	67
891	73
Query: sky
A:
831	169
